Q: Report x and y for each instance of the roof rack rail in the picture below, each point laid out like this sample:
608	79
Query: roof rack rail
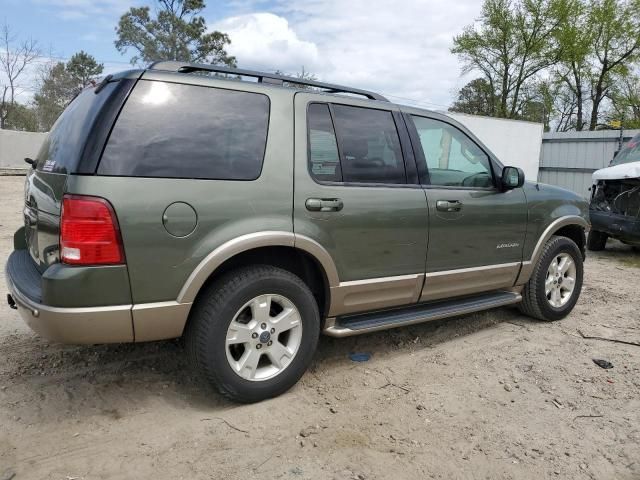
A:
263	77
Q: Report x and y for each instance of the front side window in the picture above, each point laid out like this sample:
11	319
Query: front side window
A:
188	131
366	148
453	159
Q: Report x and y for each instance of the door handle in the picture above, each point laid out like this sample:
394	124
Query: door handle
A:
324	204
449	205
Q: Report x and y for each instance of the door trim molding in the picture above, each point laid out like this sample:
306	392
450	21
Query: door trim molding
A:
375	293
465	281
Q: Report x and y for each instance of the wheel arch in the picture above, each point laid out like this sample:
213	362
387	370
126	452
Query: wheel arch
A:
295	253
570	226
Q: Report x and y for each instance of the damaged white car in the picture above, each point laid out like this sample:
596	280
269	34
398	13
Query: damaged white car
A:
615	199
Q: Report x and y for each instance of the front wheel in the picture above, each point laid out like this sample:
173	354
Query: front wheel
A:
556	281
253	333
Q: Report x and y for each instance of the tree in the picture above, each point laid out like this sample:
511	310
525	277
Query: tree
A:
15	58
476	98
60	83
575	36
57	88
513	42
84	68
616	45
599	42
625	102
177	32
301	75
22	117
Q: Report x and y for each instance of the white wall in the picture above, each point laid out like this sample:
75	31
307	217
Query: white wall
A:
15	146
514	142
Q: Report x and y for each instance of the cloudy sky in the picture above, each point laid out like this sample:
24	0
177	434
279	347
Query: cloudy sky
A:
400	49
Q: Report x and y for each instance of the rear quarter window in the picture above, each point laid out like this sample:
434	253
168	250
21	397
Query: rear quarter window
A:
188	131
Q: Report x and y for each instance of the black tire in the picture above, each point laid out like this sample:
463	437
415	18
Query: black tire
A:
534	299
215	309
596	241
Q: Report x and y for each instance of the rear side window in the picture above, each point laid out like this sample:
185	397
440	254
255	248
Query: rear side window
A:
368	143
187	131
62	149
323	148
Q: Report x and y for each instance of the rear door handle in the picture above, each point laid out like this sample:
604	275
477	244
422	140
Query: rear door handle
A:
449	205
324	204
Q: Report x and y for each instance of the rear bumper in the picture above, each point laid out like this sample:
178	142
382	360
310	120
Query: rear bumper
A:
106	324
617	226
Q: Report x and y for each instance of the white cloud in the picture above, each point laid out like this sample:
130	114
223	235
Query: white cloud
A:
266	41
401	49
85	9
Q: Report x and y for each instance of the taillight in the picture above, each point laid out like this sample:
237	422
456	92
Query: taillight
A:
89	232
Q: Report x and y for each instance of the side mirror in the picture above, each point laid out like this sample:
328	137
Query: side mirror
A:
512	177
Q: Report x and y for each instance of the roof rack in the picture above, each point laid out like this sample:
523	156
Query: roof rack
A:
263	77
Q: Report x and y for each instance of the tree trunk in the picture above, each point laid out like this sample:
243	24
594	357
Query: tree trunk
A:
578	93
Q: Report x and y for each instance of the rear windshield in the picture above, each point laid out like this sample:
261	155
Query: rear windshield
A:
62	149
187	131
629	153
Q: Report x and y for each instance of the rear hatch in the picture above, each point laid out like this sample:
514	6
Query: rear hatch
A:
73	146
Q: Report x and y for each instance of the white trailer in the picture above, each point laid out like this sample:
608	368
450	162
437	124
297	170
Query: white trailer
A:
514	142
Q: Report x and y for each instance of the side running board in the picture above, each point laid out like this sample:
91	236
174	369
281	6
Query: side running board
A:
346	326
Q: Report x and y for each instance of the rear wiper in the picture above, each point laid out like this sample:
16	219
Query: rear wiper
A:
103	83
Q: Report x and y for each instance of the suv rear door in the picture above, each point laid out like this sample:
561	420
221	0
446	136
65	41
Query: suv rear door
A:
356	194
476	230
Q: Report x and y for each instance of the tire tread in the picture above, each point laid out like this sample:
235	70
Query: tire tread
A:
209	302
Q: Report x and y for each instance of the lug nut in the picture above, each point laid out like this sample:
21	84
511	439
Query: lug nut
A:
263	326
254	335
259	346
273	330
270	343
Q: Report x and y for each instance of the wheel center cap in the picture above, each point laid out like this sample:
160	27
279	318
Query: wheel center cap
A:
265	337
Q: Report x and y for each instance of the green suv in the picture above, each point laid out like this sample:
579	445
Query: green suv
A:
248	217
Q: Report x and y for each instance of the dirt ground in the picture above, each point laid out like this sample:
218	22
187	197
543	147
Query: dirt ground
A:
493	395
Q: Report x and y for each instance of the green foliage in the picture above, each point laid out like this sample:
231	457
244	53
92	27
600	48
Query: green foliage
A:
581	50
176	32
84	68
22	117
625	102
476	98
60	83
512	42
57	89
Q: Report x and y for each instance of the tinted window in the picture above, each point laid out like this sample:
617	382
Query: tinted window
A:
187	131
453	159
323	149
61	150
369	145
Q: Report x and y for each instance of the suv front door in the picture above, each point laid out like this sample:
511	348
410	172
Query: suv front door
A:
354	197
476	230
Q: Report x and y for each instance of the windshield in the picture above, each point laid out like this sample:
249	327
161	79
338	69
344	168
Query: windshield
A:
629	153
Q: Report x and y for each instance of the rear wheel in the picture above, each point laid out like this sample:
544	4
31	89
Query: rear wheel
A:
254	332
556	281
596	241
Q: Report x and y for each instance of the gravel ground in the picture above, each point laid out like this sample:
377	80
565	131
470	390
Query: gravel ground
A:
493	395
